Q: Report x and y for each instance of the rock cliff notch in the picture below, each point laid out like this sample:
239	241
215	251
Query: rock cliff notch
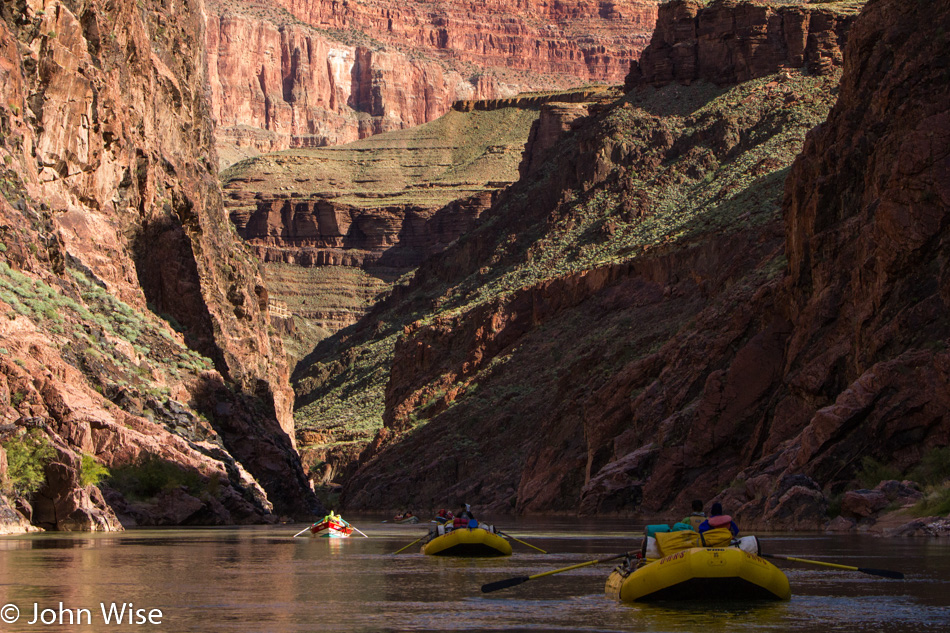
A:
730	41
667	309
290	73
111	216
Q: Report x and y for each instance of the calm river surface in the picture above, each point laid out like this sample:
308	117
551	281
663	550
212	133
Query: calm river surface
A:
259	579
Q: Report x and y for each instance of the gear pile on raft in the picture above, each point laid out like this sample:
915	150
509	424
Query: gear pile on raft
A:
679	563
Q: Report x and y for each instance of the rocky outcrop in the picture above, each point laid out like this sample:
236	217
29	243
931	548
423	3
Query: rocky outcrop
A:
537	392
111	197
321	232
886	510
555	120
316	72
65	504
730	41
771	384
585	96
926	527
371	210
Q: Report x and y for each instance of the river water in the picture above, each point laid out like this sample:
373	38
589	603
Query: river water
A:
260	579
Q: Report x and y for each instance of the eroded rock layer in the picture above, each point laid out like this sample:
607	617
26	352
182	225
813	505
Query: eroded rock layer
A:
307	73
367	212
729	41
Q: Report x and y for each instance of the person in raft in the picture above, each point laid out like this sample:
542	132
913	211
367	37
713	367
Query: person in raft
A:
463	516
717	519
697	517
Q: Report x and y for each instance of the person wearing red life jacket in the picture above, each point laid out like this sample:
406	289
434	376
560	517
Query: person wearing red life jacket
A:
717	520
444	516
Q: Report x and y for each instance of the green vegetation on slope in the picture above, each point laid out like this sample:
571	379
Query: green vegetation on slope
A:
659	173
323	299
27	456
724	169
457	155
124	352
351	390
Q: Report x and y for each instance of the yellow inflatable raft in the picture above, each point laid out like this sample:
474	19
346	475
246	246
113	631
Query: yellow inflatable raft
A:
699	573
467	542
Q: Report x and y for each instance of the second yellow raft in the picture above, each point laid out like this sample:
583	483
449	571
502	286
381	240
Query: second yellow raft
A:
468	542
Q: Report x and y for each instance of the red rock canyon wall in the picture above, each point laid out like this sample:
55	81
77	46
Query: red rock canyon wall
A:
337	71
110	174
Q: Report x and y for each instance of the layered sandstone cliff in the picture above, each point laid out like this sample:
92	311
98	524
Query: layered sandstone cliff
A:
367	212
309	73
112	214
729	41
394	200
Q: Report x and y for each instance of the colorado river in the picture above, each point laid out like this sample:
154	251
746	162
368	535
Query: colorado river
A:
259	579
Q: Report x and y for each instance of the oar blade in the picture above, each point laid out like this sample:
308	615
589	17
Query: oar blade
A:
886	573
504	584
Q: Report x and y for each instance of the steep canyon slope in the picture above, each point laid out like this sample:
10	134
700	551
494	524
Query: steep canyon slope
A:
666	308
360	215
306	73
337	226
135	331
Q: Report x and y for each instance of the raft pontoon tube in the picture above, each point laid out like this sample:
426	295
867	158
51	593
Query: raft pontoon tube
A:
701	573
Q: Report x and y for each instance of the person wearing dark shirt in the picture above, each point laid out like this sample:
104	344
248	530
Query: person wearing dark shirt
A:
717	519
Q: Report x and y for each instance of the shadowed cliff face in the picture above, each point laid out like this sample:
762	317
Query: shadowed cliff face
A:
729	41
866	220
292	73
662	324
111	216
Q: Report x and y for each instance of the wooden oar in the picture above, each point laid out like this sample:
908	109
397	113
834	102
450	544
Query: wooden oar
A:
357	529
520	541
302	531
410	544
514	582
886	573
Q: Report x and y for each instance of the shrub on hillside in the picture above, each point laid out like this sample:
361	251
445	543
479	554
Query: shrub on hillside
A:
27	456
91	472
152	475
873	472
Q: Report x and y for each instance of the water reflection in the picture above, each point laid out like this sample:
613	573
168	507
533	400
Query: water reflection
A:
260	579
